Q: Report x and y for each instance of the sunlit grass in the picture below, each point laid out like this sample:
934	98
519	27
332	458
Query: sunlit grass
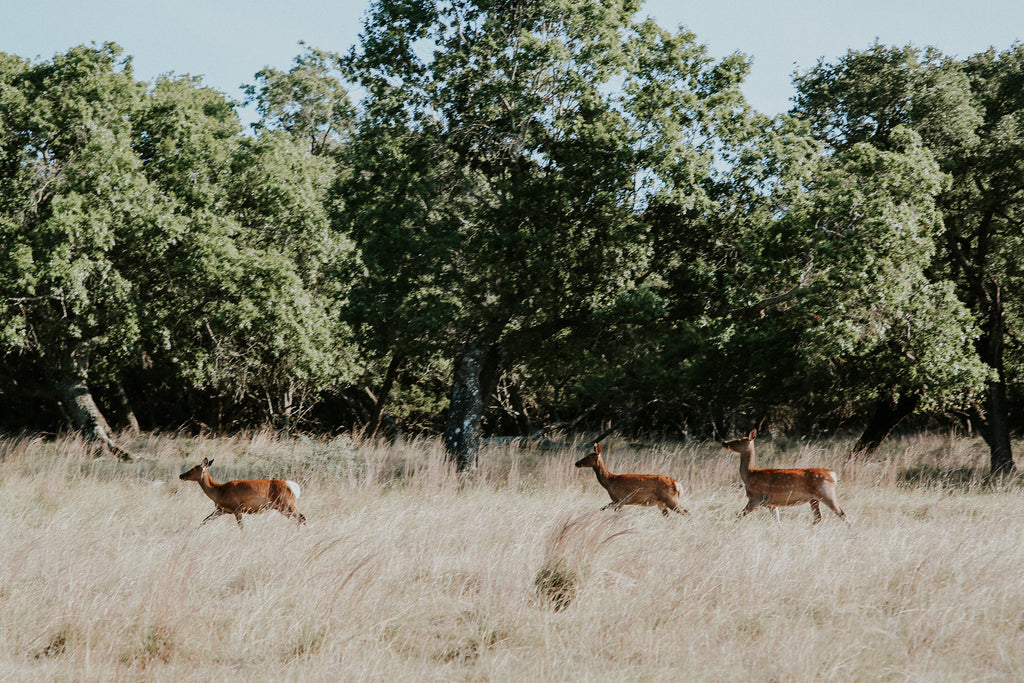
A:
409	571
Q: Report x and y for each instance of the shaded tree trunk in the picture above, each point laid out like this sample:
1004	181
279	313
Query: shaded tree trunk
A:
79	405
380	399
995	429
519	414
995	425
985	299
889	412
474	377
127	410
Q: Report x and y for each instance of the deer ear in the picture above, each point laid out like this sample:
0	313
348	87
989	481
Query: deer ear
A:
597	448
207	462
753	434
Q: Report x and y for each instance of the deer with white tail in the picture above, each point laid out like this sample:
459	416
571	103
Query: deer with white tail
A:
635	489
246	496
780	488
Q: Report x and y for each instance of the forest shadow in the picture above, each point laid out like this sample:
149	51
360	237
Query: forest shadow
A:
960	478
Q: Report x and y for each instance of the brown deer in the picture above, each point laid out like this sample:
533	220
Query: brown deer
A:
635	489
246	496
778	488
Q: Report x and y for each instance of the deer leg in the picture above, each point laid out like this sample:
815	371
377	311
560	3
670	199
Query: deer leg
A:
213	515
817	511
828	497
292	513
752	505
834	506
238	518
670	503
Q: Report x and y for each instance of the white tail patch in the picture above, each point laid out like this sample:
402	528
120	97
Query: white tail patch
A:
294	487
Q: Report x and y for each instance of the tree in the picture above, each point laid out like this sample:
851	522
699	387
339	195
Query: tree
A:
308	101
516	163
243	300
966	114
143	237
984	219
70	190
892	336
802	295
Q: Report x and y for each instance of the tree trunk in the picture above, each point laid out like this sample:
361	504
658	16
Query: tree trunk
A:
380	400
76	397
519	409
889	412
473	380
127	411
984	297
995	427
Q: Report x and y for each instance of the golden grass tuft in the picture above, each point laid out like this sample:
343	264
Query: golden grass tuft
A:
408	570
574	545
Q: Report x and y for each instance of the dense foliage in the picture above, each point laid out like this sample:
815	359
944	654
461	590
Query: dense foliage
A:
540	215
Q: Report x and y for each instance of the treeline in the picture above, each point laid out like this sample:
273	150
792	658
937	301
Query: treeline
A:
533	218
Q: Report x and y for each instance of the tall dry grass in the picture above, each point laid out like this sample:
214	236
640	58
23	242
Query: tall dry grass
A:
406	571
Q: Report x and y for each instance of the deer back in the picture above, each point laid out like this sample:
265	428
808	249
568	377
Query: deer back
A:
642	489
250	495
790	486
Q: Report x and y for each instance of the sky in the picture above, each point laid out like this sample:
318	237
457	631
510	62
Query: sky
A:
227	41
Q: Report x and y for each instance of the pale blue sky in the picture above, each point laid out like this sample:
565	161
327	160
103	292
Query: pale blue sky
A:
227	41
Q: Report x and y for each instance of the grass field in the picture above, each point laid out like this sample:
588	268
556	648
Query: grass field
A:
408	572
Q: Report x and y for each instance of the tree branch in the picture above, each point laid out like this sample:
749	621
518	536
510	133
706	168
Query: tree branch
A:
757	310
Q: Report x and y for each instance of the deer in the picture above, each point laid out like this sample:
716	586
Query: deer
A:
780	488
246	496
635	489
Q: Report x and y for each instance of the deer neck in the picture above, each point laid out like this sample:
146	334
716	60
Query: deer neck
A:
603	475
208	485
748	462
